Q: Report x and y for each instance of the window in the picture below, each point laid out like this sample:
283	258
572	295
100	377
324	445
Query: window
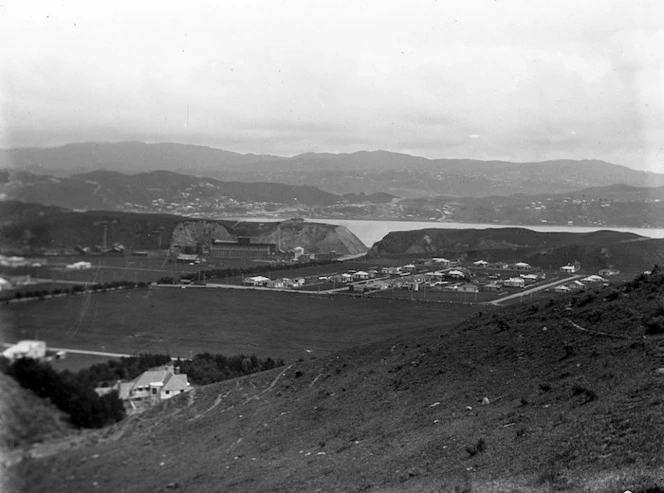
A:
154	390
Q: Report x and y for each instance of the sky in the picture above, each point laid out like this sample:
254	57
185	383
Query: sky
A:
506	79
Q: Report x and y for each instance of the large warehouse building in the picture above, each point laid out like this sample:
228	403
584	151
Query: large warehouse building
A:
242	248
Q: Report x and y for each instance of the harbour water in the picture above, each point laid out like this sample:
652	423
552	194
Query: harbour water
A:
371	231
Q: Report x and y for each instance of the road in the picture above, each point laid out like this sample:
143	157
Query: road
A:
533	290
84	351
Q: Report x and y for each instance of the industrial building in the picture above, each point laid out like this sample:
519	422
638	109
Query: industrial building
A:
242	248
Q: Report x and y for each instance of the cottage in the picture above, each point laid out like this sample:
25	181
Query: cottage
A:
576	285
456	274
346	277
298	281
493	287
514	282
79	266
360	275
522	266
467	288
482	264
561	289
568	269
153	386
609	272
256	281
4	284
298	251
439	260
594	279
25	349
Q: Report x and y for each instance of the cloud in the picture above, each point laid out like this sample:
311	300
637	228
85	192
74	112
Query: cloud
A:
292	77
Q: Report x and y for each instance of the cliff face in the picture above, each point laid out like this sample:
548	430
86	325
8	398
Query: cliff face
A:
313	237
551	250
190	233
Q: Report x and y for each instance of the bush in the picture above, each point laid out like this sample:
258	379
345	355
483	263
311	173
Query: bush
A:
478	448
655	325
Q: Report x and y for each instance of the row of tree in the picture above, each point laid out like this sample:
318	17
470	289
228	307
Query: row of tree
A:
66	391
250	270
80	288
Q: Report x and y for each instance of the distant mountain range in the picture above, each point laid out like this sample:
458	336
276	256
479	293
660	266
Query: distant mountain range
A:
378	171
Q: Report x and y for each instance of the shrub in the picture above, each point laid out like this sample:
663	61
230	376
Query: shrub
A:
477	448
655	325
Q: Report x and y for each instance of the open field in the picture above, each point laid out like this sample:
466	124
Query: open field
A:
185	321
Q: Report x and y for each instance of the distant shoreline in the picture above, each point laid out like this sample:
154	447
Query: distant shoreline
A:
370	231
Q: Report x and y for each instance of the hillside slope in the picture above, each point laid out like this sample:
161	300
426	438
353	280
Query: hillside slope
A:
594	250
557	396
27	419
58	230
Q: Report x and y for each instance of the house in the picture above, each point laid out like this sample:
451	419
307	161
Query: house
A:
298	281
25	349
153	386
346	277
442	261
298	251
456	274
568	269
467	288
482	264
529	278
256	281
392	270
576	285
522	266
609	272
561	289
79	266
277	283
360	275
492	287
4	284
188	258
514	282
408	267
594	279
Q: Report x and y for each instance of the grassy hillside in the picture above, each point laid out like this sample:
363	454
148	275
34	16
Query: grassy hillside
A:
27	419
135	231
596	250
557	396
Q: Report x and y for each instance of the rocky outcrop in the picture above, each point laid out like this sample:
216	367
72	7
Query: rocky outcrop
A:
191	233
313	237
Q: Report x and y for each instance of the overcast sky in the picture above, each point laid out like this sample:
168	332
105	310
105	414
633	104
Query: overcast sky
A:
517	80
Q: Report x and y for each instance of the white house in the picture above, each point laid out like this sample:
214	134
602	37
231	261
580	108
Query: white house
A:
522	266
256	281
440	260
25	349
594	279
79	266
360	275
456	274
481	263
562	289
298	251
4	284
154	386
514	282
568	269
